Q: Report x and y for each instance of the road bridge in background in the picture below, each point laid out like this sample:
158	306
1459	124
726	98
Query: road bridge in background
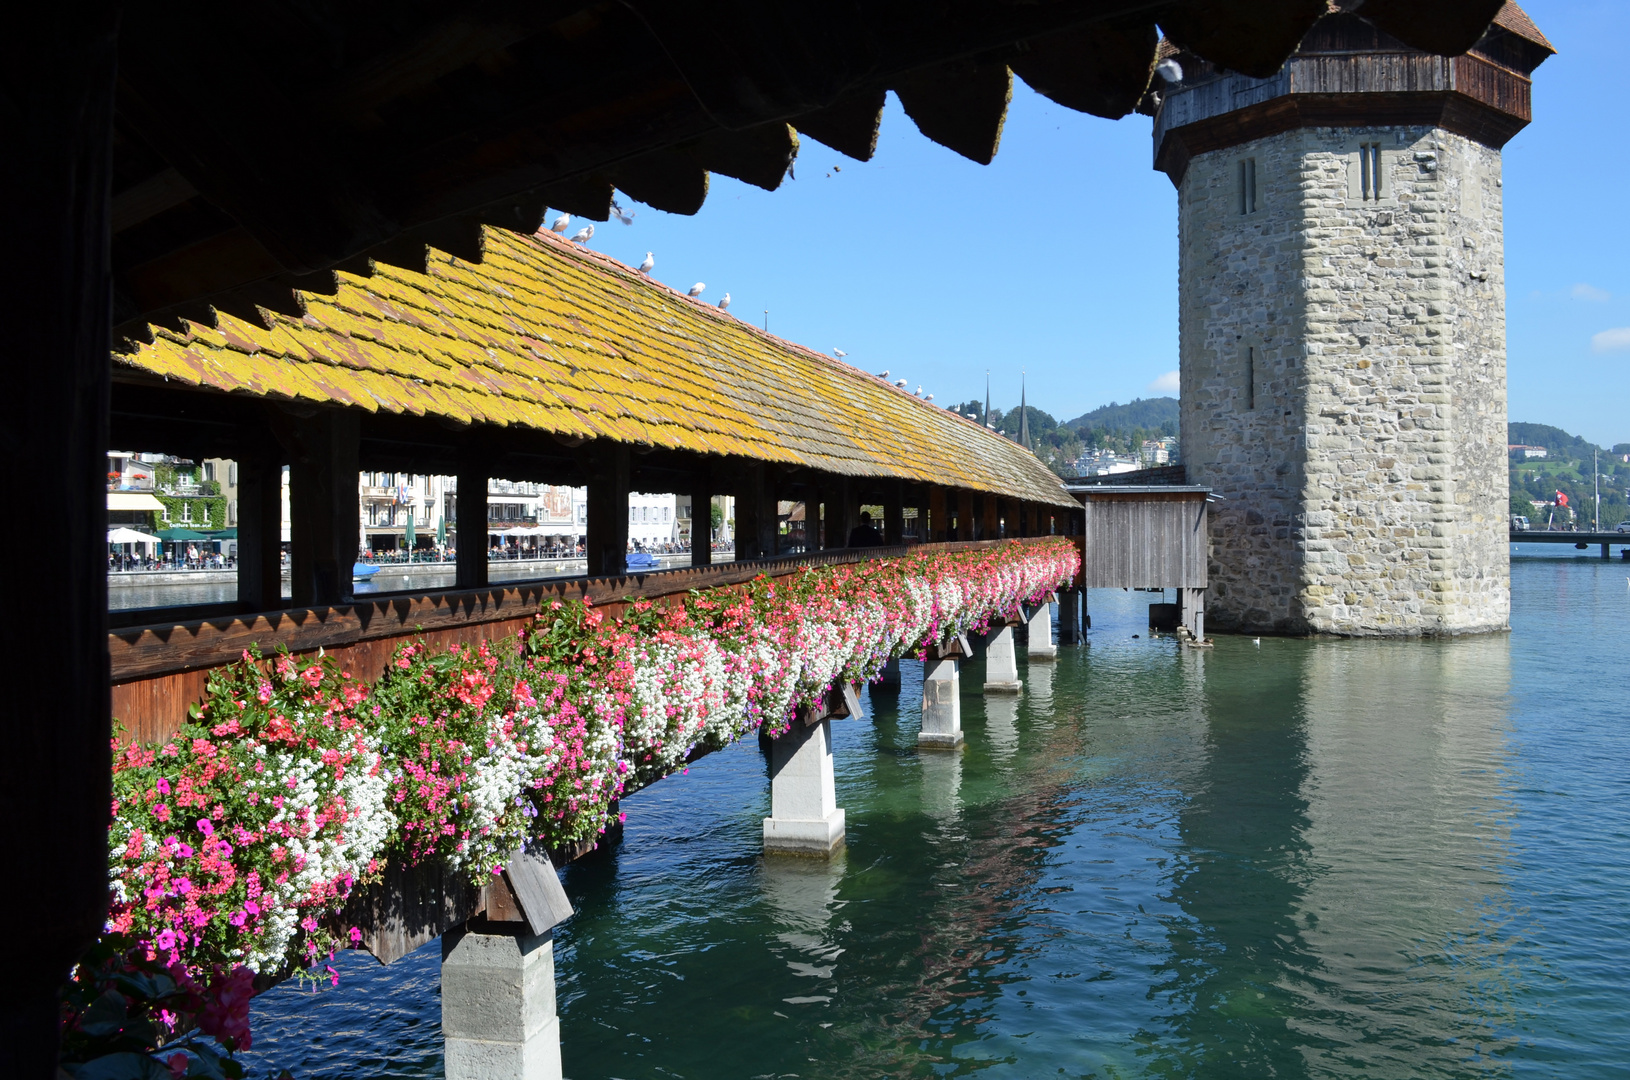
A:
1580	540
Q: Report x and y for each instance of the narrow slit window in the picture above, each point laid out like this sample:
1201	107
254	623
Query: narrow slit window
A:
1247	186
1250	377
1369	171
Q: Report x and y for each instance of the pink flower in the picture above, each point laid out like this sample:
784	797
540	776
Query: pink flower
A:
206	826
165	940
356	936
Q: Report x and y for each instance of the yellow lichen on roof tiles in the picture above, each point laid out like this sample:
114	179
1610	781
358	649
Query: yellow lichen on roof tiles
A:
546	336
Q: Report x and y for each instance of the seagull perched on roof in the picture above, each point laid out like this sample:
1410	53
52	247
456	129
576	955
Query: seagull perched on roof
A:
839	353
584	235
561	223
919	390
696	290
724	302
901	383
928	397
650	261
624	216
883	374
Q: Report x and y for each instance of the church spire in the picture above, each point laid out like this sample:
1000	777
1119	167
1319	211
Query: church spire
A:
1024	415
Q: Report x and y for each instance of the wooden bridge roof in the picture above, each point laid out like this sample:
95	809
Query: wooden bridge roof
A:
546	336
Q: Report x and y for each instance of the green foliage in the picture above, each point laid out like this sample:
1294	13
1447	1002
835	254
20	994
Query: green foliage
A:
215	505
716	516
1150	414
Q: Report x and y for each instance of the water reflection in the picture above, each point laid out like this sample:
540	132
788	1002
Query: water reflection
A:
1002	727
942	784
802	896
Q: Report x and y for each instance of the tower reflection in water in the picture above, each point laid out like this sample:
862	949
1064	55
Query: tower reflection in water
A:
1341	873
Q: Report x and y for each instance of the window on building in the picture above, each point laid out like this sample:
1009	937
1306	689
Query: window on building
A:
186	512
1247	186
1369	171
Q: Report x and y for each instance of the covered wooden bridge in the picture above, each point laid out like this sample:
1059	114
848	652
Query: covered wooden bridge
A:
541	362
183	170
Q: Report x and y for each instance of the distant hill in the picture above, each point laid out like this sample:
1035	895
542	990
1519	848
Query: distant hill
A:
1554	439
1146	413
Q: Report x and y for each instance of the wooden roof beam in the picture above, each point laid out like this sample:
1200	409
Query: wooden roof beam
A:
1252	37
1445	27
1103	70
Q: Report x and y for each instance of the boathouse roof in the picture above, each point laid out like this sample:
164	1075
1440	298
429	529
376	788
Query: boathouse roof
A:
544	335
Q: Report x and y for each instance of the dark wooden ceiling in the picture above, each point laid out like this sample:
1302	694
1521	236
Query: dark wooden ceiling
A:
261	144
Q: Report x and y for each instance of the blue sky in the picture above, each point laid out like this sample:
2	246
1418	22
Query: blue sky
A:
1060	257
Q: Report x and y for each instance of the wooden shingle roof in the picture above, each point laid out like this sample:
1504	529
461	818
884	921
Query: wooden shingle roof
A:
545	336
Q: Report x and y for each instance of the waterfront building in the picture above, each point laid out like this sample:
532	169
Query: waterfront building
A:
1342	325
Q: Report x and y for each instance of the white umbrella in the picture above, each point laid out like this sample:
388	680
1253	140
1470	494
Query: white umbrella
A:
122	535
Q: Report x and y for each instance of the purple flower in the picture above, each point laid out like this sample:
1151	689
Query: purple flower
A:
206	826
185	850
165	940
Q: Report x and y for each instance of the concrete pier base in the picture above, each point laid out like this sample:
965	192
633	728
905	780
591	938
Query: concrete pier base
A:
1040	646
1001	663
891	676
498	1004
805	818
942	706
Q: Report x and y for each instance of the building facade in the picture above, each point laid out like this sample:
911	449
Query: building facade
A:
1342	326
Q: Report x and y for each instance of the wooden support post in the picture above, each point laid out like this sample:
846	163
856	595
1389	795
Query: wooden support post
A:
894	512
755	512
54	783
471	522
837	493
610	472
936	531
1025	513
990	525
966	521
260	529
324	525
701	513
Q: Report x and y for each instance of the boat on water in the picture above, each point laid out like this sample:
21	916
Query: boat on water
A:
361	571
640	560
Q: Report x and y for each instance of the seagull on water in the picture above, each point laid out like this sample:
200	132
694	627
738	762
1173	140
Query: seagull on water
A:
1257	642
696	290
724	302
584	235
561	223
650	261
839	353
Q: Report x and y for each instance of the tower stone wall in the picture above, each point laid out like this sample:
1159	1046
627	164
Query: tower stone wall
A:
1342	328
1343	381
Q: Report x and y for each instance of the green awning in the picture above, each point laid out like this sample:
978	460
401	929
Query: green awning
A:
222	534
179	534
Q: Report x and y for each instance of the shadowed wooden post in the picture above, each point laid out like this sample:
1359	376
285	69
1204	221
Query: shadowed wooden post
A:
57	124
936	530
894	512
701	513
967	527
260	531
755	512
609	480
471	521
835	498
324	527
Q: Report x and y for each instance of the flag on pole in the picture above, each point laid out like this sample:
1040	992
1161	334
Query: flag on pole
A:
1561	499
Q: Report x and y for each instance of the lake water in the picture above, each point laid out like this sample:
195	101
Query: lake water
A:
1287	859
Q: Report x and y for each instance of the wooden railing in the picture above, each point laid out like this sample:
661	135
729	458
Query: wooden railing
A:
159	669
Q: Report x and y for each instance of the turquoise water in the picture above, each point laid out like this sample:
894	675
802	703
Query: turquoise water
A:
1285	859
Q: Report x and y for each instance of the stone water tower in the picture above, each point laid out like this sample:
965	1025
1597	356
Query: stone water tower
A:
1342	307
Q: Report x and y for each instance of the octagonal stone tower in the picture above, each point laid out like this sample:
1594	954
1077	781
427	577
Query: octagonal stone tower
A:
1342	306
